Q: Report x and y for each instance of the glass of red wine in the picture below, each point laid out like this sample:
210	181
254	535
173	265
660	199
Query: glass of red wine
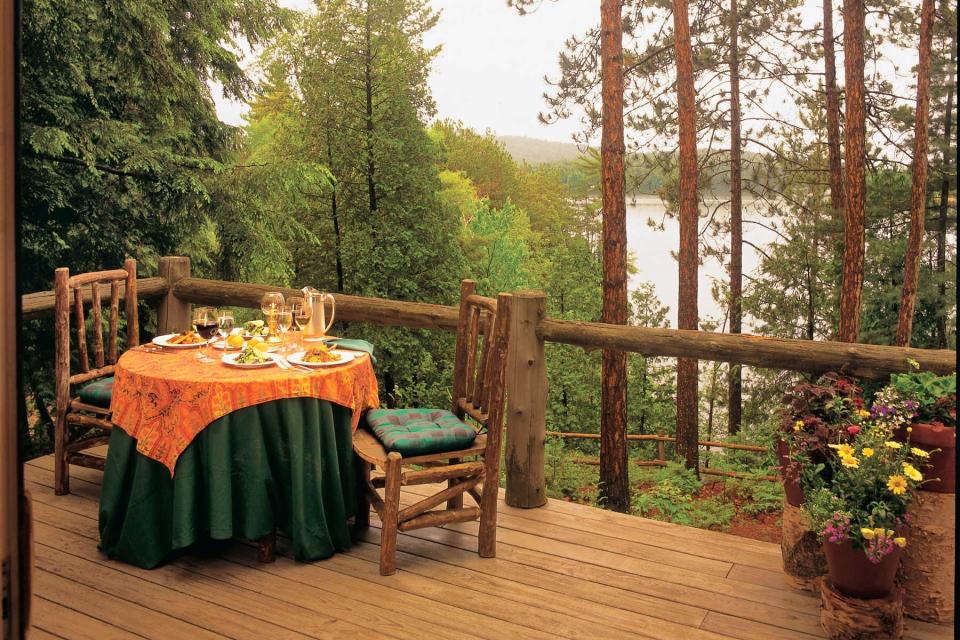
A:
205	323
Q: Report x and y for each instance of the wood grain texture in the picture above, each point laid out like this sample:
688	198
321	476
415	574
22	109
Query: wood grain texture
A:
846	618
851	292
526	403
860	360
833	111
565	571
417	315
918	190
734	377
43	303
613	386
927	567
173	312
688	255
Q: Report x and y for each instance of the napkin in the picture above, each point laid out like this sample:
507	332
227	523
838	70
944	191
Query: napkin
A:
353	344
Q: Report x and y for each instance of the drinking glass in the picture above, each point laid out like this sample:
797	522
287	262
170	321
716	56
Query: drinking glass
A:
205	324
224	327
297	305
284	320
270	303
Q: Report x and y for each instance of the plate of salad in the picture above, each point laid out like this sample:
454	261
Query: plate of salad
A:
255	328
248	358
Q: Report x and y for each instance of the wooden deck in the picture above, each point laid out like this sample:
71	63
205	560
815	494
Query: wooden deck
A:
564	571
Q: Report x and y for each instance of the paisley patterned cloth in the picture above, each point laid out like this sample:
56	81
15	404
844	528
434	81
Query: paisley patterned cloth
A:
165	400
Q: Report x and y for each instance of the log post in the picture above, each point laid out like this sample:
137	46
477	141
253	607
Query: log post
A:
803	558
173	314
927	569
526	403
846	618
661	448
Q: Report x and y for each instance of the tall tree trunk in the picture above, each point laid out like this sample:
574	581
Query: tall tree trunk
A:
918	191
687	425
735	380
851	293
368	88
613	418
833	111
944	203
338	256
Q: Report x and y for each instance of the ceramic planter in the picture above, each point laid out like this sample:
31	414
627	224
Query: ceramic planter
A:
943	463
789	475
852	573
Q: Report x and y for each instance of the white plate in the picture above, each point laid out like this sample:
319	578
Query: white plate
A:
162	341
345	356
230	359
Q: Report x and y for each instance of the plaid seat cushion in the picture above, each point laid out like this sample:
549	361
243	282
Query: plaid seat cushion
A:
98	392
414	432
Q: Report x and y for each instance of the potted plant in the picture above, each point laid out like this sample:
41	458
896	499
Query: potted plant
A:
817	414
933	400
859	508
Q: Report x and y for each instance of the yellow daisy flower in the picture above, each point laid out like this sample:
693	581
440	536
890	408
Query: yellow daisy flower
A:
844	450
911	472
920	453
867	534
867	452
890	444
900	542
897	485
850	462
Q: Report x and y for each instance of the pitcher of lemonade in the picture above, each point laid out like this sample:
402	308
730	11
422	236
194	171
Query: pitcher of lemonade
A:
314	304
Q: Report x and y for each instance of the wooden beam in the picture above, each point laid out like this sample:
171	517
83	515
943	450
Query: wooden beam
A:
437	518
173	313
431	501
15	526
415	315
814	356
41	303
526	403
441	473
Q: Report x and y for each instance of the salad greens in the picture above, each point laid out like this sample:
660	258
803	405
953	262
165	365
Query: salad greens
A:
250	355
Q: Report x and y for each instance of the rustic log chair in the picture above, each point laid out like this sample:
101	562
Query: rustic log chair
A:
71	410
478	394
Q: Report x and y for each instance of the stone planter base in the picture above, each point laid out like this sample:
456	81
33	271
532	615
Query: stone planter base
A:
803	559
846	618
927	569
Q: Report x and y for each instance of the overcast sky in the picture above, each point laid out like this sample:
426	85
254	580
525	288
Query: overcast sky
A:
490	71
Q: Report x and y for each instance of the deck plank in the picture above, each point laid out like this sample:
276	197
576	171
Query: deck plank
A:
563	571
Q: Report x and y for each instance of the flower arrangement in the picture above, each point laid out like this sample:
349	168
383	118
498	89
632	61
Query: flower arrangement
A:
829	411
860	491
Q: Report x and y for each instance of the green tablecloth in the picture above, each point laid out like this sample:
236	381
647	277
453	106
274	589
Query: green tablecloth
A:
286	463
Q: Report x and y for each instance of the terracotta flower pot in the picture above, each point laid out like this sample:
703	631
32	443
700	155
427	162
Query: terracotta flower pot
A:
789	475
852	573
942	464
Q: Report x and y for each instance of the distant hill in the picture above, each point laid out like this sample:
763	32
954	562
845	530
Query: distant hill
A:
536	151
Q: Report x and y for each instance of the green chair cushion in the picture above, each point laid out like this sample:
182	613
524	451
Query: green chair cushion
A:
415	432
98	392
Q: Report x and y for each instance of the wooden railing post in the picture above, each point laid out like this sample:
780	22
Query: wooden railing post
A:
526	403
661	449
173	314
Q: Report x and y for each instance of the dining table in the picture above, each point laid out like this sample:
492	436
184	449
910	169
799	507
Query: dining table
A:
202	451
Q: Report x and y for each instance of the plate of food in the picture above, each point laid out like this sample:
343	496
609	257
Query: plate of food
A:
248	358
255	328
183	340
321	356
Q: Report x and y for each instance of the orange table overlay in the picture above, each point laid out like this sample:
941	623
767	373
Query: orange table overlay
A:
164	400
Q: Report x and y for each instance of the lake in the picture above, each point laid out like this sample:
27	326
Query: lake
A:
650	252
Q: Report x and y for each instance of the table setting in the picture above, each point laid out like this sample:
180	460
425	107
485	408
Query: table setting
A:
225	431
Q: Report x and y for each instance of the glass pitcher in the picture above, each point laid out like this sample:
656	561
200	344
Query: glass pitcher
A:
315	301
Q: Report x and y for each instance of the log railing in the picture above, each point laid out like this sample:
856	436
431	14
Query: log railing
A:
526	380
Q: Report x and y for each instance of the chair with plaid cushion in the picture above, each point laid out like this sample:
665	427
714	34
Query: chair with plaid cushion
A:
460	447
83	398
